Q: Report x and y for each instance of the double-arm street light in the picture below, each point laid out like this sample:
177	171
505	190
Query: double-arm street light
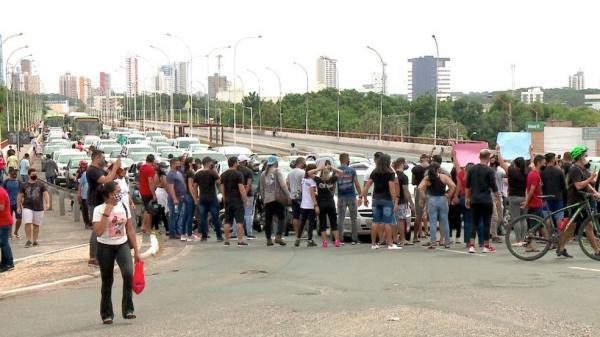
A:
306	113
6	76
437	65
191	109
234	78
382	90
280	97
2	42
171	70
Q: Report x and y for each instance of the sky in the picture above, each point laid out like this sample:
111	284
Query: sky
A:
546	40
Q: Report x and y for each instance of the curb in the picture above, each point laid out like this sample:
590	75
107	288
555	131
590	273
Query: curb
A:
22	290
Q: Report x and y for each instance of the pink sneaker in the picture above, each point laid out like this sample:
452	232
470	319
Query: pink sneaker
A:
337	244
324	244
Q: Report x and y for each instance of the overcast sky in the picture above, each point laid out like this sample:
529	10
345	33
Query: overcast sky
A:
546	40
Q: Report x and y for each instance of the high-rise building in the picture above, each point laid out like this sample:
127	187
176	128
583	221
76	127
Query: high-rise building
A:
68	85
577	81
15	80
105	86
85	90
131	69
181	78
326	72
422	77
25	66
216	84
31	83
164	80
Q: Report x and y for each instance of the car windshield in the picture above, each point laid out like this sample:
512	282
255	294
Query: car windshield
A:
51	148
90	140
152	133
174	151
159	139
216	156
136	140
109	148
64	158
75	163
184	144
140	149
198	147
140	156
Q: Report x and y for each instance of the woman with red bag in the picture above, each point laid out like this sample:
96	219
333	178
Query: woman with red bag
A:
113	226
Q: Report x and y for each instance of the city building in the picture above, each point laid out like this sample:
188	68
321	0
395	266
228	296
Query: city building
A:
532	95
15	80
326	73
105	85
131	73
85	90
216	84
107	104
376	83
26	66
67	85
422	77
577	81
181	78
32	84
592	100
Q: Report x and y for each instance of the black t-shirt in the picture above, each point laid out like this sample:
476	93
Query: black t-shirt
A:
481	180
576	174
93	175
553	182
230	180
206	180
403	181
381	180
324	194
189	174
247	174
418	173
33	193
517	182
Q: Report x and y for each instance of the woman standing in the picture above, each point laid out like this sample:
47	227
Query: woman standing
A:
437	205
385	200
112	225
309	207
517	184
325	188
272	183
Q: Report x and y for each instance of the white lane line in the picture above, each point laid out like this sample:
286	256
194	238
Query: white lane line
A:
586	269
459	252
49	284
50	252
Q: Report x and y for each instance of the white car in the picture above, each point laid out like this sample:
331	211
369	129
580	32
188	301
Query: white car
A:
152	133
89	140
233	151
131	148
159	139
62	159
185	142
108	148
136	139
71	172
214	155
197	147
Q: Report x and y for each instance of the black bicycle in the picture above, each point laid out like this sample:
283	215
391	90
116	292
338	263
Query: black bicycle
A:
529	237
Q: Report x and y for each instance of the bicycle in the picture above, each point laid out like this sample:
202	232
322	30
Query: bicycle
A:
524	246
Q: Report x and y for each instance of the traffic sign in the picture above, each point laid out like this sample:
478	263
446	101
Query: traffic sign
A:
533	126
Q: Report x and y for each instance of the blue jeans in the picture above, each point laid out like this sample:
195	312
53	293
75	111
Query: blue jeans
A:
175	218
50	179
7	257
248	217
383	212
212	207
188	214
437	210
553	206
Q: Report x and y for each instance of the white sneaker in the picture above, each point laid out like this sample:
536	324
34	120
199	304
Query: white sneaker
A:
394	247
374	247
472	250
184	238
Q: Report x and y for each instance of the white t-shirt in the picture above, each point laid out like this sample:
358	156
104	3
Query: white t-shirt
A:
307	201
161	198
124	190
295	179
116	230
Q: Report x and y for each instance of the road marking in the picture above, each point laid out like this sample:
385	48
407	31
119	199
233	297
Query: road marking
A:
49	284
586	269
459	252
50	252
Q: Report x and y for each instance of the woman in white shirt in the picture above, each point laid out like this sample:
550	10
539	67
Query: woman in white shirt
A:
113	226
122	180
309	207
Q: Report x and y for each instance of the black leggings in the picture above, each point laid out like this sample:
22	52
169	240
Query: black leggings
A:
158	217
310	216
324	213
483	213
274	209
454	219
107	255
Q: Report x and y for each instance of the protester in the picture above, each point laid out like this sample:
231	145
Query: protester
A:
533	202
294	182
188	202
249	208
12	162
205	182
435	185
272	184
33	200
50	169
418	173
176	191
309	208
554	184
83	189
115	235
6	262
405	202
147	185
24	168
234	200
498	204
13	187
348	187
161	212
326	181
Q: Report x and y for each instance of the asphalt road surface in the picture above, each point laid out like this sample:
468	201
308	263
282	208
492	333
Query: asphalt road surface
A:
211	290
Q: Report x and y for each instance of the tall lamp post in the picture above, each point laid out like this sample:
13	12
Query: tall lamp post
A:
243	111
6	73
207	117
306	114
437	64
234	78
171	96
259	97
191	109
2	42
280	97
382	90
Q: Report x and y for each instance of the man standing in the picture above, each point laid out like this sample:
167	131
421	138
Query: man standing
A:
24	167
249	207
293	150
13	186
32	201
176	191
234	199
6	220
206	180
294	182
418	173
96	176
533	202
12	162
480	184
347	186
147	175
553	183
51	169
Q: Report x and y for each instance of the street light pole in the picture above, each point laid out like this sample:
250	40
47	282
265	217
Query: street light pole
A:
171	98
234	78
382	90
259	97
437	64
243	111
2	42
207	117
280	98
306	114
251	127
191	109
6	69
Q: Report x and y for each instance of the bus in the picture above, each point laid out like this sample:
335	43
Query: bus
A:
54	120
70	119
85	126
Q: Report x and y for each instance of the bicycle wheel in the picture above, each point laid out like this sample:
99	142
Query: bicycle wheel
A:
585	242
524	237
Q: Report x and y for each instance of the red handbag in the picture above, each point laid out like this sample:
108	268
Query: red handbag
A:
139	281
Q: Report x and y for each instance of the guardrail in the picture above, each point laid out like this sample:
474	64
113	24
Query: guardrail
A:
63	193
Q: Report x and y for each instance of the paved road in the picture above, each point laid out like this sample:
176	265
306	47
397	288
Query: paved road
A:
210	290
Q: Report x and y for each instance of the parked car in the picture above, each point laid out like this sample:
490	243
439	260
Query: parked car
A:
63	159
129	149
71	172
89	140
108	148
233	151
185	142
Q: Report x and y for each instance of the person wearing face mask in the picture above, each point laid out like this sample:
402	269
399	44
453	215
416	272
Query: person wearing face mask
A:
96	176
31	205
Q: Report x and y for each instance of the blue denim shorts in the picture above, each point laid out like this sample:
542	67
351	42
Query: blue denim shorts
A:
383	212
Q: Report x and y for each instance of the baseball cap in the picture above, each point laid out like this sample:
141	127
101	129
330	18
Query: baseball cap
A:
242	158
272	160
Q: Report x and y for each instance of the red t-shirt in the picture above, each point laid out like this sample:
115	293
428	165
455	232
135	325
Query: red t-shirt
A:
461	178
146	171
534	179
6	218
